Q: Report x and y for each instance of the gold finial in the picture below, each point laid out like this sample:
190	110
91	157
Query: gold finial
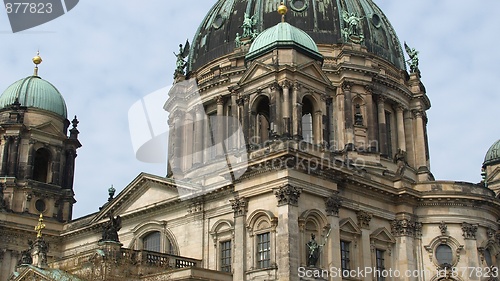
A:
39	227
282	9
37	60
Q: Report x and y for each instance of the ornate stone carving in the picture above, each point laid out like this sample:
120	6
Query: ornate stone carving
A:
490	233
239	205
406	227
469	230
443	228
285	84
332	204
346	86
288	195
219	100
364	218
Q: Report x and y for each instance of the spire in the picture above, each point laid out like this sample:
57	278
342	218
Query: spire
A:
282	9
73	132
39	227
37	60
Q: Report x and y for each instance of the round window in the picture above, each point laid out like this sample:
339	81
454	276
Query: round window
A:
298	5
40	205
218	21
376	20
444	255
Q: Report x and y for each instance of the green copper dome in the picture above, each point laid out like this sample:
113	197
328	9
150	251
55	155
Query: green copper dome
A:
493	154
33	91
283	35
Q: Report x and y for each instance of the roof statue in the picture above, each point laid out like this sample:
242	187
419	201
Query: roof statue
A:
39	227
413	61
352	31
248	27
181	63
111	228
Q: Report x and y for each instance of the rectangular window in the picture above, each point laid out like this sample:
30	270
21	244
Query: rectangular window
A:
225	256
379	255
263	250
344	255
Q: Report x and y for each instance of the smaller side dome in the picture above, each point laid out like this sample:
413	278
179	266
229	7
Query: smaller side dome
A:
33	91
283	35
493	154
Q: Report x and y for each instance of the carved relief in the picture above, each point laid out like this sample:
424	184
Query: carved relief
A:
332	204
364	218
443	228
406	227
469	230
288	195
239	205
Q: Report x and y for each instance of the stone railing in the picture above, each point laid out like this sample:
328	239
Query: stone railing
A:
158	259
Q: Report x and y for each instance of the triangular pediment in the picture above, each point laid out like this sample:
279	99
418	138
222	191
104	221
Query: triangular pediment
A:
382	235
348	225
257	70
49	128
144	191
314	71
30	273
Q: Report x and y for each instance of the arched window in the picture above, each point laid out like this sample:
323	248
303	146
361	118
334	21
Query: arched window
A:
262	125
444	255
41	165
152	242
307	121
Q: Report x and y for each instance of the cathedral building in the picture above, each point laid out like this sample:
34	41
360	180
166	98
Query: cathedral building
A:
297	150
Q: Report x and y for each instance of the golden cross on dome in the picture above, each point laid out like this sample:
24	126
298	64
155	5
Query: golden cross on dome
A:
39	227
282	9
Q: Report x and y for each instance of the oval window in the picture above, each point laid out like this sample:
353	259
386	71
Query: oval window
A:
298	5
376	20
40	205
444	255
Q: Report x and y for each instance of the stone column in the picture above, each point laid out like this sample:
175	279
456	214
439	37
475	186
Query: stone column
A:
364	219
469	233
286	109
240	207
405	230
420	139
234	120
349	124
297	113
69	168
245	102
328	132
382	130
401	128
287	232
372	145
56	167
178	147
219	133
13	155
332	206
275	109
339	102
5	156
198	136
409	136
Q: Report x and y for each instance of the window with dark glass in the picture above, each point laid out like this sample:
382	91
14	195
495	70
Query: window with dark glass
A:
444	255
345	255
225	256
41	165
487	257
151	242
380	262
263	250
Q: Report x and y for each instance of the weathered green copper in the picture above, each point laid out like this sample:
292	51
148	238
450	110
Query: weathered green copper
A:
33	91
493	154
283	35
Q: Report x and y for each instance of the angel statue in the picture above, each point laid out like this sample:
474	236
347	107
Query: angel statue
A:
183	53
413	61
352	22
111	228
248	23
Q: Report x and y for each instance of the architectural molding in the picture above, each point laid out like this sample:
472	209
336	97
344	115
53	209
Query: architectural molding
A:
288	195
239	206
332	204
469	230
364	218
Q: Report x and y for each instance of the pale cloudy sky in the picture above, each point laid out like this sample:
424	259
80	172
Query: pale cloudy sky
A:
105	55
